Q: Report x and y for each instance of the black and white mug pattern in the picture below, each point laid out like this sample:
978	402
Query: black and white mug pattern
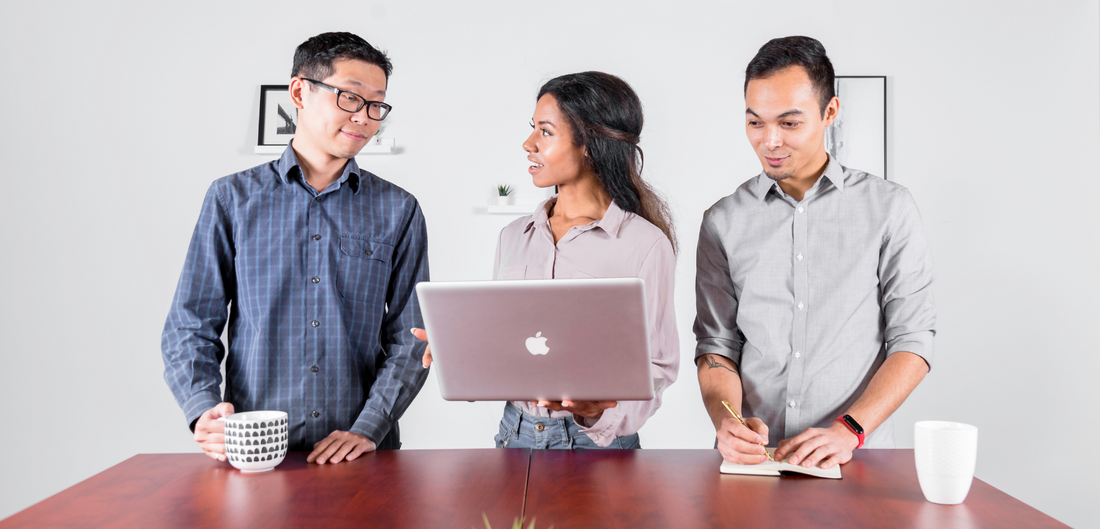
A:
255	441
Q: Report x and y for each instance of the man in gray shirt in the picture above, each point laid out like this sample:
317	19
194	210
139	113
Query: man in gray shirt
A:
814	282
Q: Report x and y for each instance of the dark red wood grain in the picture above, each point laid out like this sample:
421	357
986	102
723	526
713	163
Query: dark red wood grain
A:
451	488
404	488
683	489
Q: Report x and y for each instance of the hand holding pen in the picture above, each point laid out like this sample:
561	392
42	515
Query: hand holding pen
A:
742	421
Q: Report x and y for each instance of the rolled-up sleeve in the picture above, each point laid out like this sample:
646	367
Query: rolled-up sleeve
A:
191	343
905	276
658	271
715	326
401	375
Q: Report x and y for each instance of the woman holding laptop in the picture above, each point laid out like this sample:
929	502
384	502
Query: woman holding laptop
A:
604	222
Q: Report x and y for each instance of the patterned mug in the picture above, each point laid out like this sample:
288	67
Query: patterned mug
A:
256	441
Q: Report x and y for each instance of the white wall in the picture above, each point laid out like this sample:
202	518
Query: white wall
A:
118	116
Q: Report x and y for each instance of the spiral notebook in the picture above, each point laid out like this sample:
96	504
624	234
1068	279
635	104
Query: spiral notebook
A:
777	468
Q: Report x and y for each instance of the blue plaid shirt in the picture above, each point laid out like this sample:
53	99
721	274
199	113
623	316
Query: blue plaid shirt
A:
318	291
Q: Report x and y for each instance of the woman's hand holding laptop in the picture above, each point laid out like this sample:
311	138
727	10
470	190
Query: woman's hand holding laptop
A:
591	409
422	335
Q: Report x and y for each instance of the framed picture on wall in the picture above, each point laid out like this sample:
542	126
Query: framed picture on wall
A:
278	116
857	137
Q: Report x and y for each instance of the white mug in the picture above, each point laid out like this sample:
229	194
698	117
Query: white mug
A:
256	441
946	454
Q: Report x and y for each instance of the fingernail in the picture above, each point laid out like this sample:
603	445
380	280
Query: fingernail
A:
794	460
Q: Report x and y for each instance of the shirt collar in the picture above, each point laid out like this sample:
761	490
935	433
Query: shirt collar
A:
833	171
611	222
287	168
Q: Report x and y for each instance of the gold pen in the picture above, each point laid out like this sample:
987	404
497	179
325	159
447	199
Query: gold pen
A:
742	421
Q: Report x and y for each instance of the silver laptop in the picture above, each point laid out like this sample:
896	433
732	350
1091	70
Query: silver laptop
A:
577	339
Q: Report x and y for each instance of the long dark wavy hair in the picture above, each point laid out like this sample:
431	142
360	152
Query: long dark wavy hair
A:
606	117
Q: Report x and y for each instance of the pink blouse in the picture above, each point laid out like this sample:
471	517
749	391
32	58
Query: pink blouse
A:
620	244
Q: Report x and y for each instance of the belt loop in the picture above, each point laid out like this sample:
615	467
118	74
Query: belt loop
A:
512	409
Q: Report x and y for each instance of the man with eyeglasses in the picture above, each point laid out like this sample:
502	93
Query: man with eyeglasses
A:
312	262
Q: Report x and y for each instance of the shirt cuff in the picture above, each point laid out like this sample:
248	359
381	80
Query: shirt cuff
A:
198	404
714	346
603	432
372	424
918	343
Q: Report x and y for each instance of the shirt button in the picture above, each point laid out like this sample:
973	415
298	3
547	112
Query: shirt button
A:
797	354
540	427
316	280
317	237
799	257
318	199
316	414
315	323
368	252
792	405
799	308
800	210
315	369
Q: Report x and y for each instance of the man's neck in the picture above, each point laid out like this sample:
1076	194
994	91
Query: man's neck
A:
796	186
319	169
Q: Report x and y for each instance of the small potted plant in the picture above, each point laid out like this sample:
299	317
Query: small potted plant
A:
504	195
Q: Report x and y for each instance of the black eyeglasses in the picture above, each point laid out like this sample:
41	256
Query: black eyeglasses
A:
352	102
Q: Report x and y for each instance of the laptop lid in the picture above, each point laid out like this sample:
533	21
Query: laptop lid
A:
577	339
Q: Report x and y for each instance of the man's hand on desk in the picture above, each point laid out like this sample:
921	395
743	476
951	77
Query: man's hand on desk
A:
742	445
210	432
340	446
823	447
592	409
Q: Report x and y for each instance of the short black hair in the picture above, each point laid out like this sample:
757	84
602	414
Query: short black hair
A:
314	57
785	52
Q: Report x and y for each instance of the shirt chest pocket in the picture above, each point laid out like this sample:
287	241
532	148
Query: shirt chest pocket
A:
364	269
512	272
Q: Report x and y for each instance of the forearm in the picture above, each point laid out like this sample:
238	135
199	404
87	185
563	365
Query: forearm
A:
719	380
401	374
895	380
628	417
399	380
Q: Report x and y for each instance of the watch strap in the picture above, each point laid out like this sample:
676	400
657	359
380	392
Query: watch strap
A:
844	419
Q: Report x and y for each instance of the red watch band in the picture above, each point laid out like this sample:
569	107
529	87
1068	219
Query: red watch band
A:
859	435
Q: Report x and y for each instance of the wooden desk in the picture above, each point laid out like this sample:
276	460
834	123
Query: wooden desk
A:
451	488
683	489
406	488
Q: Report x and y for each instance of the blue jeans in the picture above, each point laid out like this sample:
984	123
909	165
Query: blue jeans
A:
522	430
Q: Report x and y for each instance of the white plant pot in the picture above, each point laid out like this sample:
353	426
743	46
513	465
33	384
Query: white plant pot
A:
504	201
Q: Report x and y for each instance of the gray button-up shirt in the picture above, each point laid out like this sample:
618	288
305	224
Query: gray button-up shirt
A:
810	297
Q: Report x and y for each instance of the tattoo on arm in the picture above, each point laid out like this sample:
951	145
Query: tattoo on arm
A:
714	364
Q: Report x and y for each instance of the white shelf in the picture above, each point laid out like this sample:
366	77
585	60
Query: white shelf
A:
376	146
512	209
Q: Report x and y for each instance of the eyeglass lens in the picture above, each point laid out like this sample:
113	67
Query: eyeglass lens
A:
352	103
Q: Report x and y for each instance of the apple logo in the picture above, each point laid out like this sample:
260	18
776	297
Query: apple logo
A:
537	345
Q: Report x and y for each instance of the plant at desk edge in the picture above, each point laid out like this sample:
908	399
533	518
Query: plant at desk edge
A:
504	190
517	523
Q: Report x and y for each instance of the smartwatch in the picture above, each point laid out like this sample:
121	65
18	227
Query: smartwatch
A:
853	426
